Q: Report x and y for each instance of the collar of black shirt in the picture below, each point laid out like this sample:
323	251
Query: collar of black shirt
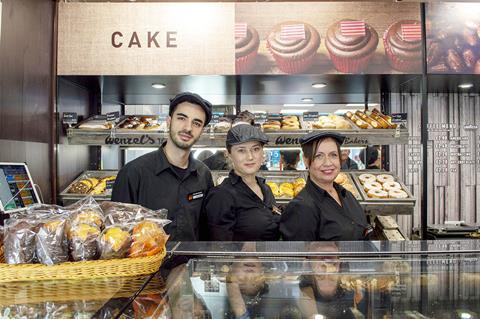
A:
162	162
321	193
234	178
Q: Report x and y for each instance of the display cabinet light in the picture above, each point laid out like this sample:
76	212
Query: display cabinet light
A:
319	85
307	99
158	85
465	85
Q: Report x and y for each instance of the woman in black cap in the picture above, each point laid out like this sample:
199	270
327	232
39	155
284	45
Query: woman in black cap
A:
323	210
242	208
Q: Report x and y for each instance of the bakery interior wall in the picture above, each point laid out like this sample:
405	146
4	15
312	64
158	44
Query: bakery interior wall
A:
26	50
452	195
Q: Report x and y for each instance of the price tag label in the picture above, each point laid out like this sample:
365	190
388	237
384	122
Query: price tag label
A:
113	116
260	118
110	184
70	118
310	116
399	118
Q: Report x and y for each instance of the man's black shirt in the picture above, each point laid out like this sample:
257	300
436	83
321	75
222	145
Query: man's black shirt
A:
235	212
315	216
151	181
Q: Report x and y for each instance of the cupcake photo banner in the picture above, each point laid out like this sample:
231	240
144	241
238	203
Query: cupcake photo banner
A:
332	37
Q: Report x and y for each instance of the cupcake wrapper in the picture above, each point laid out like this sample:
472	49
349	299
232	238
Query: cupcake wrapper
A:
399	64
350	65
293	66
245	63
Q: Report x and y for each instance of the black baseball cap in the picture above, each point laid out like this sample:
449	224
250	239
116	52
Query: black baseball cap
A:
243	133
192	98
321	134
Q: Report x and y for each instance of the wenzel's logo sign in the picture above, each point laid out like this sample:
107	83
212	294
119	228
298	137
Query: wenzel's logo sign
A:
145	139
285	140
355	141
148	39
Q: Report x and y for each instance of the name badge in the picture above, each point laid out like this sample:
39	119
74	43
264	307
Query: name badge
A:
195	195
276	210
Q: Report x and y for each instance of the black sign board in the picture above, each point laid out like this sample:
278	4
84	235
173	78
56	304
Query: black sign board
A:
70	118
113	116
399	117
260	118
310	116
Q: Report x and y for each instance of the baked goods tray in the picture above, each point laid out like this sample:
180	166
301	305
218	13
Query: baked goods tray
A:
356	194
66	196
387	206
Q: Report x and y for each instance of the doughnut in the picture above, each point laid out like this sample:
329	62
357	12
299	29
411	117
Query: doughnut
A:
341	178
383	178
391	185
397	193
365	178
377	193
372	185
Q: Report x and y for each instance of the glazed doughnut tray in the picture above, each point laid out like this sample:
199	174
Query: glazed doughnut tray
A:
384	206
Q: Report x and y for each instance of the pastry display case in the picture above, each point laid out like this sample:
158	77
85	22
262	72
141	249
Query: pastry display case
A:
409	279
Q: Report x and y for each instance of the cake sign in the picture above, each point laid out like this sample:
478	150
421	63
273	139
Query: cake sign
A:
292	32
350	28
240	30
411	32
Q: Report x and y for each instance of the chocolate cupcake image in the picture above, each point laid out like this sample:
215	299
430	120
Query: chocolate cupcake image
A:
350	45
403	45
293	45
246	48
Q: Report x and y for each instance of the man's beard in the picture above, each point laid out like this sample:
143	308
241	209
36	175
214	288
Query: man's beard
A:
180	144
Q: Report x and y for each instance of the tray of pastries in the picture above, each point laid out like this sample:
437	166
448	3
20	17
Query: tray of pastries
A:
141	123
285	187
95	183
381	187
371	120
287	123
330	122
96	123
346	181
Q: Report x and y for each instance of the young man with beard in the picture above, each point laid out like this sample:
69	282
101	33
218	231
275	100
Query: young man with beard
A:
170	177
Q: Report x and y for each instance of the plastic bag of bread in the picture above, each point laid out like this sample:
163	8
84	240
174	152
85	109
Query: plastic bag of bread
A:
114	242
86	211
51	245
148	238
123	213
82	242
19	240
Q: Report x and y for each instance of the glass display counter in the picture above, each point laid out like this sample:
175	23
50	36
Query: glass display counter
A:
409	279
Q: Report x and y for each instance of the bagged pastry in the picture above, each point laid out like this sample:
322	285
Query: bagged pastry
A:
124	213
148	238
51	245
114	242
19	241
86	211
82	241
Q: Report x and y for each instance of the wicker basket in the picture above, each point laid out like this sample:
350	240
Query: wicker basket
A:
82	270
15	293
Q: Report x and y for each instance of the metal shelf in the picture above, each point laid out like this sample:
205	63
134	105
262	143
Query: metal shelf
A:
278	139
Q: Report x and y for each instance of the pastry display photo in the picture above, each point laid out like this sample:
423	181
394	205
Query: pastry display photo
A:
328	38
453	39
